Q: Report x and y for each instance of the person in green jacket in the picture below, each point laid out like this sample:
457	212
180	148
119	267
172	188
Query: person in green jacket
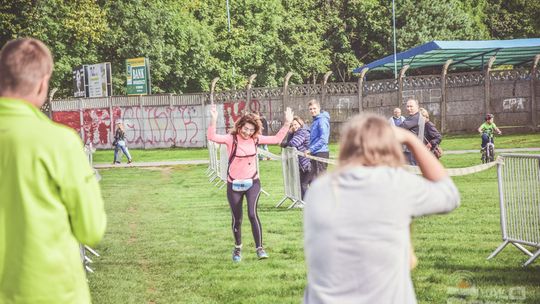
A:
50	200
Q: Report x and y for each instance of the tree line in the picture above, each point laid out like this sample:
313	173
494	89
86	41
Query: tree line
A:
189	42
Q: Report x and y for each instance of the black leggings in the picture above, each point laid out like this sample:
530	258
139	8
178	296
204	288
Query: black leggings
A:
235	202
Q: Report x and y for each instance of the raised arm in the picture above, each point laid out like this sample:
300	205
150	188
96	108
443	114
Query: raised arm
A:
211	134
276	139
435	193
429	165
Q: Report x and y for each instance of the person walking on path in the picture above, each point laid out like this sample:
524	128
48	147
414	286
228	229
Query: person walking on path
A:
50	199
119	144
319	137
356	219
242	175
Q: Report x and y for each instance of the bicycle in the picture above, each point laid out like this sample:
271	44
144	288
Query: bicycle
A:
488	152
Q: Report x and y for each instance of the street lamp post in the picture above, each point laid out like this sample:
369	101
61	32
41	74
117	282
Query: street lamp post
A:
229	30
394	28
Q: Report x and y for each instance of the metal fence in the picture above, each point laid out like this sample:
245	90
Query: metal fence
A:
217	168
519	197
83	249
291	178
456	102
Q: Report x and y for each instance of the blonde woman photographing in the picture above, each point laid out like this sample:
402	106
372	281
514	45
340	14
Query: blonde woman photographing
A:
357	219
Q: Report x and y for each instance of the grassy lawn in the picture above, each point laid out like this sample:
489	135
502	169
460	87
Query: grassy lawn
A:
453	142
472	142
151	155
169	241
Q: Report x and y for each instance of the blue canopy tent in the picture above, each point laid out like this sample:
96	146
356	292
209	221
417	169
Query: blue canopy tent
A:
465	54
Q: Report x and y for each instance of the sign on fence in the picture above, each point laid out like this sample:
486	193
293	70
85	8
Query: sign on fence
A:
79	82
138	76
99	79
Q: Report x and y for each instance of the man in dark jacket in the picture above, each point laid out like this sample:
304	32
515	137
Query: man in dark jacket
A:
319	137
413	123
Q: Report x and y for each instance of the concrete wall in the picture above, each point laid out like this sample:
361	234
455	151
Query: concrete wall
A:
166	120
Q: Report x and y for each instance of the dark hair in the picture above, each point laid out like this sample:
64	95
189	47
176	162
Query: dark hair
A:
299	120
489	116
251	118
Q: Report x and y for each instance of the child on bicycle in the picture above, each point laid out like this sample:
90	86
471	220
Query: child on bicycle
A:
487	129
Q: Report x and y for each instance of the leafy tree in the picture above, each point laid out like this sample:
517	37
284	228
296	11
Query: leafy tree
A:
434	20
177	45
72	30
512	19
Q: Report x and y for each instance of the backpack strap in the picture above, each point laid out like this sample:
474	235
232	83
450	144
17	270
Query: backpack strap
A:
233	154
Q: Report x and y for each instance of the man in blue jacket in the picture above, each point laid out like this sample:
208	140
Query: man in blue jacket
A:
319	137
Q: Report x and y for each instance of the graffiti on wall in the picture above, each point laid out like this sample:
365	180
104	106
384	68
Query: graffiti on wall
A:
514	104
232	111
162	126
96	126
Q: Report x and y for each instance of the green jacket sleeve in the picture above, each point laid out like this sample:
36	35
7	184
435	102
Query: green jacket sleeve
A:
80	193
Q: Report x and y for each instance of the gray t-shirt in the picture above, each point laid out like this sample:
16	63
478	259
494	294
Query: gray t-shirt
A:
356	233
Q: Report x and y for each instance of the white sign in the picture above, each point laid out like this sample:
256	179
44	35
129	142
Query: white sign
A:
99	79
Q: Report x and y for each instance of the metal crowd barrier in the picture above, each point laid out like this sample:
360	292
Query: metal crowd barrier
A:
223	165
211	164
291	178
519	198
214	168
89	151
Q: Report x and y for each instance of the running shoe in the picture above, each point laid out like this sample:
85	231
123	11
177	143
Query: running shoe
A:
236	254
261	254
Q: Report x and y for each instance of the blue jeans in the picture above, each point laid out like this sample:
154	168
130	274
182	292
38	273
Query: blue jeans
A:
486	139
121	145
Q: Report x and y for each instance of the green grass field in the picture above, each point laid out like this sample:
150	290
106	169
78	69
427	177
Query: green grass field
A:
454	142
169	240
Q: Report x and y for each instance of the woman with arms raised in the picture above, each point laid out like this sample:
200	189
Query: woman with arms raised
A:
242	175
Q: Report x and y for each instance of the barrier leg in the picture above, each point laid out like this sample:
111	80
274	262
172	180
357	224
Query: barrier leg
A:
297	204
523	249
91	250
499	249
262	190
281	202
535	255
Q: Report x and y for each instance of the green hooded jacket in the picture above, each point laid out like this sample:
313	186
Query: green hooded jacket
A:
50	202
